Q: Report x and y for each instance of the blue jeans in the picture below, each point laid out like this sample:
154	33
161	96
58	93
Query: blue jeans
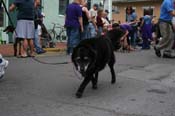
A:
36	42
85	33
100	30
73	35
92	31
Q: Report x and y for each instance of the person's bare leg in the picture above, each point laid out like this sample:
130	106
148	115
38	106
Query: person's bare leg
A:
30	42
24	51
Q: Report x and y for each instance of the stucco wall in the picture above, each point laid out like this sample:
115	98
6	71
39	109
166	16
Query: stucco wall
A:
139	9
52	13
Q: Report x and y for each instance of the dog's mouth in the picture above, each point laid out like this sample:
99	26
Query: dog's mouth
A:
83	73
82	70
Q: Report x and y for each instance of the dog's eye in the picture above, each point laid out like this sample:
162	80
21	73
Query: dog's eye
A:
78	58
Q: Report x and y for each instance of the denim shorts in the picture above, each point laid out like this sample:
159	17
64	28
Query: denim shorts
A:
73	38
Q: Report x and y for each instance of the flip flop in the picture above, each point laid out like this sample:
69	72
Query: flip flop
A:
22	56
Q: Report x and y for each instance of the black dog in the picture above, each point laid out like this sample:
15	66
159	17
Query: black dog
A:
91	56
11	29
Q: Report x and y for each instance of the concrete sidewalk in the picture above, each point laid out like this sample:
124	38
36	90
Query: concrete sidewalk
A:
7	49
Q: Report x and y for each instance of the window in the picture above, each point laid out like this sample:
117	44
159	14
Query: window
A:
62	6
115	9
150	8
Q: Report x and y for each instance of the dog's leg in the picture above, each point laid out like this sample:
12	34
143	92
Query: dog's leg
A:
82	87
15	47
20	47
94	81
111	66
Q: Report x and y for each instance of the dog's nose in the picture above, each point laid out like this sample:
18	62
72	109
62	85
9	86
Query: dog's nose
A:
81	69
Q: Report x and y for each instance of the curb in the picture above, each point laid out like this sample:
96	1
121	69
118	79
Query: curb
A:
54	49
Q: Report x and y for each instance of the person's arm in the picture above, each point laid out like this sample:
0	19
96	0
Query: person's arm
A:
94	23
87	12
37	3
81	23
12	7
142	22
172	13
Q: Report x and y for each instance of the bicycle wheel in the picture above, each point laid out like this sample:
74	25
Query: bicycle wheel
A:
52	34
52	43
62	36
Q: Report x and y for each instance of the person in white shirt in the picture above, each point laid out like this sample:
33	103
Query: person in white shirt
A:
92	25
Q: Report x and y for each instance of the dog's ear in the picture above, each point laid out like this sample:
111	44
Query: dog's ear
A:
9	29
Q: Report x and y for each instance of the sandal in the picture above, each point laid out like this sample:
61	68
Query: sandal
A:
22	56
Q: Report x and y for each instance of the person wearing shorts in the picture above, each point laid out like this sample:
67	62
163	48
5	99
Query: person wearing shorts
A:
25	24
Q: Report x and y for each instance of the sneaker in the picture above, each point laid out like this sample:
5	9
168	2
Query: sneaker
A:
41	52
2	72
157	52
3	66
1	76
6	63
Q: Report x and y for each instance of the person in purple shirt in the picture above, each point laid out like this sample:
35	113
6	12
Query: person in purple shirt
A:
146	29
127	29
73	24
166	31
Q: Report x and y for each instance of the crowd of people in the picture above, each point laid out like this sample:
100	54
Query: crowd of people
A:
82	23
139	31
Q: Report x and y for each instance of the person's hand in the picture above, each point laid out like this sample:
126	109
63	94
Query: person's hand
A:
82	29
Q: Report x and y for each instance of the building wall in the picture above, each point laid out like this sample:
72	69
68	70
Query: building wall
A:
139	9
50	8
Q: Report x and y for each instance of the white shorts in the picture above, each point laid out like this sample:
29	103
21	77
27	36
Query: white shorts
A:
25	29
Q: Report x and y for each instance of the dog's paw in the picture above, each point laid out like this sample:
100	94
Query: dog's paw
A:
78	95
113	82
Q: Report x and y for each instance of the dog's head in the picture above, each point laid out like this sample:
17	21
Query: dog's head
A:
9	29
115	36
83	58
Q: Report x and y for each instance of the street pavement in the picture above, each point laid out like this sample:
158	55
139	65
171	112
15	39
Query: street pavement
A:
145	87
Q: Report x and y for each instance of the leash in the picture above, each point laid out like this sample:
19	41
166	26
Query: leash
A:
59	63
56	63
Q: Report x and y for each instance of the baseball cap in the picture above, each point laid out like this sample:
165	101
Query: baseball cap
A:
96	5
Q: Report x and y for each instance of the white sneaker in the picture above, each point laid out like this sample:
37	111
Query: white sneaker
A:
2	72
3	66
6	63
